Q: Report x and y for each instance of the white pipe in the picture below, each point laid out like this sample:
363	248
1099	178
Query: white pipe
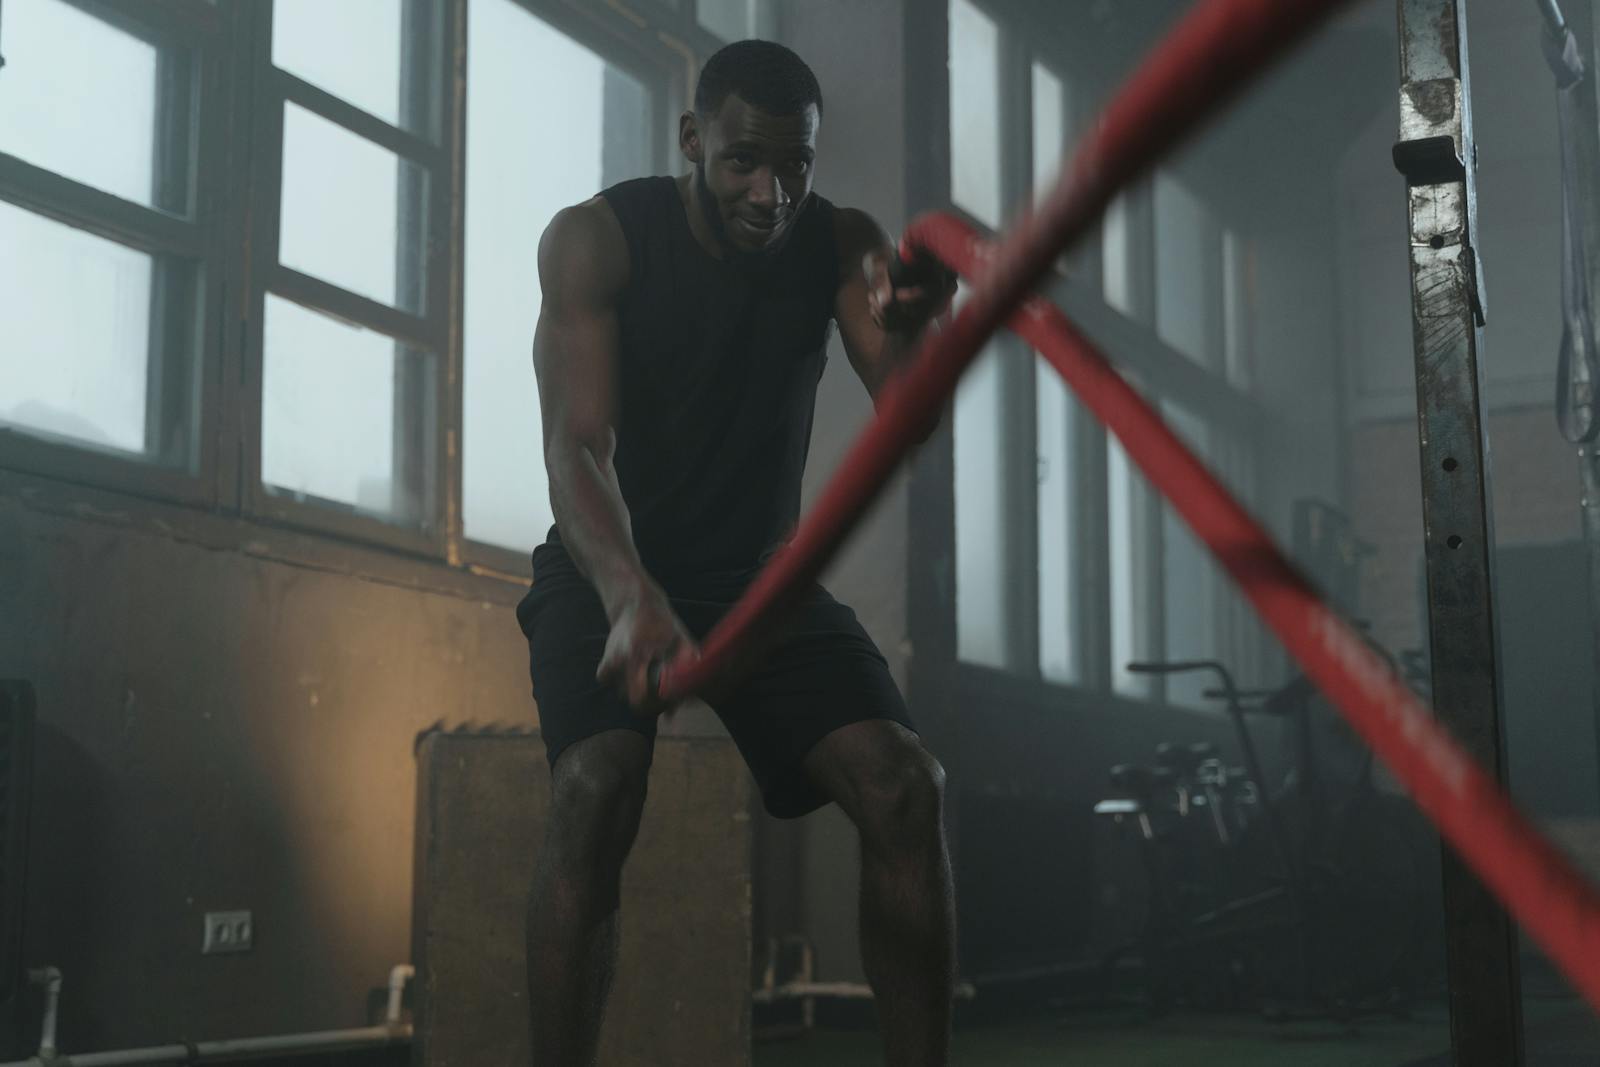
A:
323	1041
50	978
392	1032
399	974
838	991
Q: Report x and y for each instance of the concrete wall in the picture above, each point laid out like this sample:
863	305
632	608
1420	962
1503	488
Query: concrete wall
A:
226	720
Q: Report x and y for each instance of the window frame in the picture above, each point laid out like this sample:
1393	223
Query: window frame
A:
658	60
198	28
230	239
274	89
1075	286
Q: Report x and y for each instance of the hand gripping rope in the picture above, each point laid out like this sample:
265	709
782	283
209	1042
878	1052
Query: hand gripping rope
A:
1206	59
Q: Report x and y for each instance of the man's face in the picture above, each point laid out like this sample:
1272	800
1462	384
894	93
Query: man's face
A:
755	171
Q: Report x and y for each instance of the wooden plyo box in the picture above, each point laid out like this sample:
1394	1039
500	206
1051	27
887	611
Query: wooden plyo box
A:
682	993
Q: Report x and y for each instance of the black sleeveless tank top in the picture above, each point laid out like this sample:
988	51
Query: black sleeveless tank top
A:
719	362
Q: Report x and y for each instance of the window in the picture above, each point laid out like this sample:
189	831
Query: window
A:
343	220
1189	578
982	619
353	49
736	20
321	373
1056	428
232	268
975	181
350	341
1049	127
1238	294
1116	256
1088	554
102	327
91	378
1188	272
1128	501
512	193
1055	425
108	104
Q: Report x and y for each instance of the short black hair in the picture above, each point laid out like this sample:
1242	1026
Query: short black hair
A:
764	73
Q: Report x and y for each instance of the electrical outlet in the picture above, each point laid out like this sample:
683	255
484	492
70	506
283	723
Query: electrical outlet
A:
228	931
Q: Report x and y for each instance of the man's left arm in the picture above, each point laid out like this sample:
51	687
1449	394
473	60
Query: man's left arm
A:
882	323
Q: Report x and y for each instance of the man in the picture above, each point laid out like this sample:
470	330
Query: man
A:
682	335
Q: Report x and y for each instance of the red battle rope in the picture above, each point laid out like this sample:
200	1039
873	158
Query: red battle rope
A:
1536	882
1205	60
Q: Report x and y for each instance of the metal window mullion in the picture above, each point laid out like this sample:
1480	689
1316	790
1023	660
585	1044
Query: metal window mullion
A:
178	346
260	262
186	22
1141	352
416	330
1149	603
1019	449
423	204
227	189
31	455
626	38
930	588
1215	450
1074	264
1084	260
1214	299
1092	613
408	146
447	281
47	193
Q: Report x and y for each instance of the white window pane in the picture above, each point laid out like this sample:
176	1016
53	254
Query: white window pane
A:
1049	128
78	97
512	193
1126	492
1116	257
342	198
1058	594
1188	260
1189	584
975	113
328	419
76	310
350	48
980	512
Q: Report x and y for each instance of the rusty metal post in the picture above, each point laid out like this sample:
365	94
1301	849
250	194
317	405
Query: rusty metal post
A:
1435	153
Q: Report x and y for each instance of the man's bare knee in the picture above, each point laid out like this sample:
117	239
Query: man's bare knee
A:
598	791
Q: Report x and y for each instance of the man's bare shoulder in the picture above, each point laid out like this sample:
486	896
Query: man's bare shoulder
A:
583	244
855	233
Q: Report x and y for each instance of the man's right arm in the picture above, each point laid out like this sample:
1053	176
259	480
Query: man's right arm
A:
583	267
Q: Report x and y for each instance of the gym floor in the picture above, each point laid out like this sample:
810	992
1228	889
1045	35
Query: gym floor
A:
1561	1034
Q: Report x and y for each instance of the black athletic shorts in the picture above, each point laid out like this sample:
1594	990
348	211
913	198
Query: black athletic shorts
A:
822	673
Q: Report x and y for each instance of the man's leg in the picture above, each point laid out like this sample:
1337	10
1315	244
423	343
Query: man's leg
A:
893	790
598	790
